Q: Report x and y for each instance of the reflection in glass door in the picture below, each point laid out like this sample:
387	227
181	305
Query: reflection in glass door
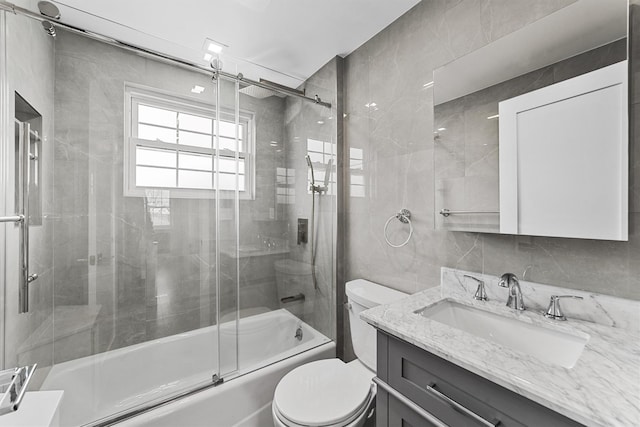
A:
229	184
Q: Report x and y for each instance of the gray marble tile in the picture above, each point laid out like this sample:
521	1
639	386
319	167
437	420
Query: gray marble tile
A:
501	17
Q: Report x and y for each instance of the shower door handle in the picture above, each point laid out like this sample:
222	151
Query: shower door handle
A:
24	159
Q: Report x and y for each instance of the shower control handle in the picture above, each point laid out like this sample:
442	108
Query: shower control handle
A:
303	230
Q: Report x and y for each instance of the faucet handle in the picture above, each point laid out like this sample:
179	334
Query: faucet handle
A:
554	311
481	294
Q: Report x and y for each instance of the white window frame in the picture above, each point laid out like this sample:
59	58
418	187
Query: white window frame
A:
322	166
135	95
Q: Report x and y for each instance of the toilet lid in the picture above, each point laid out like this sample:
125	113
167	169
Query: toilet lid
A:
320	393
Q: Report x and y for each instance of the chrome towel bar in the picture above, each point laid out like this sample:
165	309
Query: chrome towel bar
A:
13	218
446	212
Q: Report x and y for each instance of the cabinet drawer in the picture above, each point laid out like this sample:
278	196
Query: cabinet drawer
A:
401	415
395	410
448	391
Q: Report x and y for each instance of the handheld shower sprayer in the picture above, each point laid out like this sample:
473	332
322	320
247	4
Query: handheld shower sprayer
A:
315	188
312	186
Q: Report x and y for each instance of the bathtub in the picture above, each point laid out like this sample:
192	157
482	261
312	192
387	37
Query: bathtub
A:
120	380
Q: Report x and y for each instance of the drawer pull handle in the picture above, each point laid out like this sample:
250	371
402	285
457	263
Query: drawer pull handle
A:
409	403
460	408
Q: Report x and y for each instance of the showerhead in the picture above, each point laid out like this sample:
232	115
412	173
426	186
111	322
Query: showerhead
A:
49	9
49	28
260	92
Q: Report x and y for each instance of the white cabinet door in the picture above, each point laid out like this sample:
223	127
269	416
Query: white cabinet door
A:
564	158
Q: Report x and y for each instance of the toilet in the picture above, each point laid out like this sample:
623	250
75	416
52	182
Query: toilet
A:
331	393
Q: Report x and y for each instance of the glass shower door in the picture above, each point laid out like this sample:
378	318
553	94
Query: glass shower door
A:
27	302
133	304
229	184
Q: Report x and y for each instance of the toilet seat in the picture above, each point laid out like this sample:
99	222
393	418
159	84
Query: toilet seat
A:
357	420
323	393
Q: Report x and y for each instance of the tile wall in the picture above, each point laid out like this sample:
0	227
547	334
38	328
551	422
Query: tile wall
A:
395	137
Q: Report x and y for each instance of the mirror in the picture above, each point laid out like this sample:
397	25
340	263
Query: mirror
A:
513	154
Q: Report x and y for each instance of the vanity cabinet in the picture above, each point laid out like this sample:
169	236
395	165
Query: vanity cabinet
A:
417	388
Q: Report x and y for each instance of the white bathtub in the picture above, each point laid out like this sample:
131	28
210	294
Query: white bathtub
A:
101	385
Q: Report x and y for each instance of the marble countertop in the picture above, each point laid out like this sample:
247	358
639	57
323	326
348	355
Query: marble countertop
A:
602	389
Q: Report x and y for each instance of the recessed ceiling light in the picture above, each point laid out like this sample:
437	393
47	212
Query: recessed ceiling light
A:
427	85
197	89
441	129
320	122
493	117
213	46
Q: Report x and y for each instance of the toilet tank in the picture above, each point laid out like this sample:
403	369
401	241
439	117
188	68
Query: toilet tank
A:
363	295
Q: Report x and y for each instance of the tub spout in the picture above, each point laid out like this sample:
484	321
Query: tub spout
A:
298	297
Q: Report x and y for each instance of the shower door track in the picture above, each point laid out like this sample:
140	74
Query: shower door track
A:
10	7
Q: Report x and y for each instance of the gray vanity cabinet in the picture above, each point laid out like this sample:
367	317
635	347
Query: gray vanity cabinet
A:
417	388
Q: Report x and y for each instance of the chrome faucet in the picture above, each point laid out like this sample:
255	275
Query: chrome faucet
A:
515	301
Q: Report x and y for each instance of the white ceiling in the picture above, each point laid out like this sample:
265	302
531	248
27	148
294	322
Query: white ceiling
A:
293	37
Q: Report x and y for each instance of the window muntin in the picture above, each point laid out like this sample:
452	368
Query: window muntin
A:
158	206
171	145
320	153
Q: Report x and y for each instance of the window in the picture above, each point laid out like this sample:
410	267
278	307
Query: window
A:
158	206
356	172
171	145
285	182
320	153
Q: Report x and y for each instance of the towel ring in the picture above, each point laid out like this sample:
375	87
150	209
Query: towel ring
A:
403	216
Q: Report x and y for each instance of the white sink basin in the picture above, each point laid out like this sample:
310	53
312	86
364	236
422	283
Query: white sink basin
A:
547	345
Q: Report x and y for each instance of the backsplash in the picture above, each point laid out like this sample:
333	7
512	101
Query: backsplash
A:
597	308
